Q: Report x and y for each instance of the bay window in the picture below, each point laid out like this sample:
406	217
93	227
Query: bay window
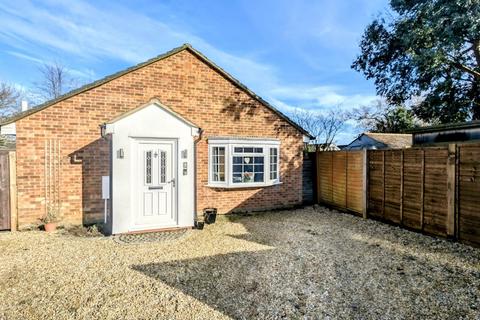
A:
239	163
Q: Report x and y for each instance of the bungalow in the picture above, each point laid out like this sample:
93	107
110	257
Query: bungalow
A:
151	146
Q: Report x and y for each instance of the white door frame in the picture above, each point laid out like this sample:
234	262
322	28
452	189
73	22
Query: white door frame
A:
135	141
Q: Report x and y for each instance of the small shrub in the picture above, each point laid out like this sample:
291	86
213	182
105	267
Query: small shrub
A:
51	216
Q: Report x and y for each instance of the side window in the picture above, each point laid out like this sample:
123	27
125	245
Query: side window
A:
273	163
218	164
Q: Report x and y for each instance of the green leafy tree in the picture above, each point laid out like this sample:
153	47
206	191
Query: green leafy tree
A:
430	49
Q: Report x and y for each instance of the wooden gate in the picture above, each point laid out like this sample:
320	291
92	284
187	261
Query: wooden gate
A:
4	191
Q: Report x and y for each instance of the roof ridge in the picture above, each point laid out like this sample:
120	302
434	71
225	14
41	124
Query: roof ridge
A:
91	85
387	133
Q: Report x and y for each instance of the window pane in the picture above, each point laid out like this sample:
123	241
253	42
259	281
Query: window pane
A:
238	160
273	163
237	177
247	150
218	164
258	177
248	169
148	167
163	166
258	160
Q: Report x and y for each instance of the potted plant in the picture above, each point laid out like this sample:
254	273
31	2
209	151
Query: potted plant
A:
50	219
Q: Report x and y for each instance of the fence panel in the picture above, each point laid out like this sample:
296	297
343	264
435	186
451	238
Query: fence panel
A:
375	179
413	173
435	191
355	174
308	178
339	185
340	179
324	177
392	185
430	189
409	187
468	193
4	191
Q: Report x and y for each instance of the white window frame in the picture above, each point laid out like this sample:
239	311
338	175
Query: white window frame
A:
211	173
229	144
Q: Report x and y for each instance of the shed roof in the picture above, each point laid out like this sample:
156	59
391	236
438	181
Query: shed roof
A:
448	126
392	140
109	78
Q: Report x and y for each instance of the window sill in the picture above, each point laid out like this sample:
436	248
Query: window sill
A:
243	186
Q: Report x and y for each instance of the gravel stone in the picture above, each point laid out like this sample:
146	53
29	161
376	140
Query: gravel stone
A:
311	263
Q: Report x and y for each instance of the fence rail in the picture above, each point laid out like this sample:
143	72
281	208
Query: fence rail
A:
435	190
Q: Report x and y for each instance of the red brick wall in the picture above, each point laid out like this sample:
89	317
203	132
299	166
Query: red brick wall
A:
185	84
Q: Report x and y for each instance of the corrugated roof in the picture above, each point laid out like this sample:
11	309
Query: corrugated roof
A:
109	78
392	140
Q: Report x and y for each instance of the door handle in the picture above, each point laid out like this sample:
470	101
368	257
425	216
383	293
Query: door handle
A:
172	182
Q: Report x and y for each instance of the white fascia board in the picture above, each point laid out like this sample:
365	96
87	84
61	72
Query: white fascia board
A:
307	139
195	132
109	128
9	129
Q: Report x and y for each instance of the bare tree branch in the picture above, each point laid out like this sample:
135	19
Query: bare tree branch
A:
9	98
324	127
56	80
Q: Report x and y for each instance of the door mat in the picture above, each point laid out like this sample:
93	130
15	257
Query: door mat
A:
163	236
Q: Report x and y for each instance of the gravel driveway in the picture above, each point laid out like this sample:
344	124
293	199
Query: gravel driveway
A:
307	263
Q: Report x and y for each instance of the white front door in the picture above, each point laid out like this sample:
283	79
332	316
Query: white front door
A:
155	184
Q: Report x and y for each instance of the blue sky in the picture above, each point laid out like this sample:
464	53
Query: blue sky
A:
295	54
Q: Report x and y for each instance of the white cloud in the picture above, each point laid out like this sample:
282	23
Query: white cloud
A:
89	32
321	97
86	74
25	57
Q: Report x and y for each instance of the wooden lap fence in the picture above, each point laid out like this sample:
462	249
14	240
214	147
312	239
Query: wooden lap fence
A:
435	190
